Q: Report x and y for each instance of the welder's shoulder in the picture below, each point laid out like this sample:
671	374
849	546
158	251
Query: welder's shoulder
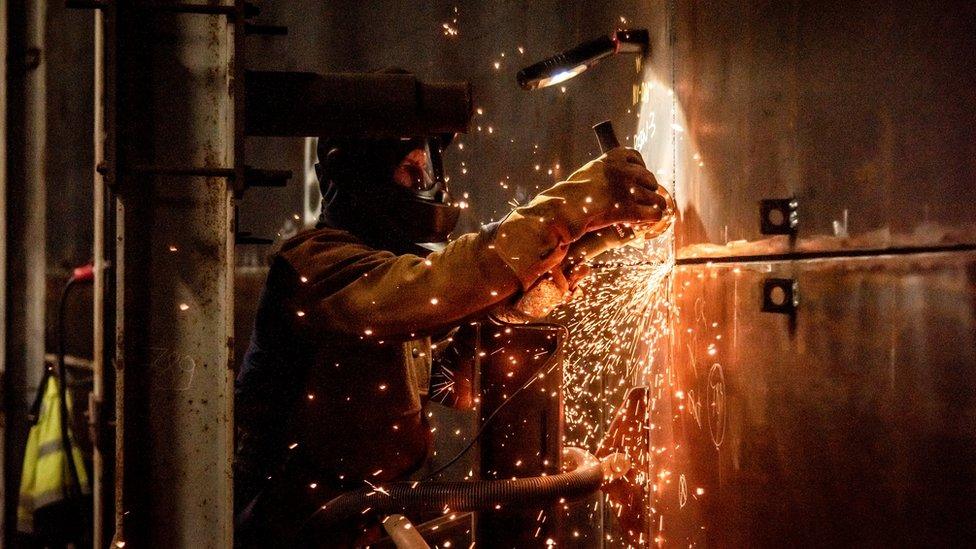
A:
318	238
317	251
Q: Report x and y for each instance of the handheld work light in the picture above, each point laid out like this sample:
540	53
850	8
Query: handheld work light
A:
563	66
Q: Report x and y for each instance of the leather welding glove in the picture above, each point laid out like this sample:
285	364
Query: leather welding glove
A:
614	189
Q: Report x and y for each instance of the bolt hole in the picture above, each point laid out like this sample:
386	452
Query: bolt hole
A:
777	295
776	217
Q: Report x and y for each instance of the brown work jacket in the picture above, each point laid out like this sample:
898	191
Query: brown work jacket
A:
367	316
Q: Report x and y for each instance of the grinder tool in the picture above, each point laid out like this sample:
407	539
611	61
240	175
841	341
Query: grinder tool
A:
539	300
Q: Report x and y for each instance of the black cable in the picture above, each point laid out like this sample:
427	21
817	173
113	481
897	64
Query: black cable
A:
75	486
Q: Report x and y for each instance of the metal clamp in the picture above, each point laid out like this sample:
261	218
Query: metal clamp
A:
253	177
779	216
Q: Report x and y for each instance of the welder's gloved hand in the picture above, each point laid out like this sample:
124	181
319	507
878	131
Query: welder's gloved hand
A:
553	289
613	189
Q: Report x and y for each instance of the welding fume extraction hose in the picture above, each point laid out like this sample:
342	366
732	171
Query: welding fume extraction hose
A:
584	476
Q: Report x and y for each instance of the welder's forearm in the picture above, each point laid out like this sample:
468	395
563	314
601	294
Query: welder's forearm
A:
536	238
408	296
613	189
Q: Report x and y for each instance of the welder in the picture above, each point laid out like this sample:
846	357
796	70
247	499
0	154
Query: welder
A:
330	392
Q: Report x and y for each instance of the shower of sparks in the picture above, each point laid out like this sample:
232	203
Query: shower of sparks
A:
443	385
621	316
451	28
617	328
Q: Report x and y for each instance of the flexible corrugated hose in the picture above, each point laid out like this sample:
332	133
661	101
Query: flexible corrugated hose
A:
585	476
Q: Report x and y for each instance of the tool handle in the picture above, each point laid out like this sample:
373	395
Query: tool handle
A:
539	300
608	141
606	136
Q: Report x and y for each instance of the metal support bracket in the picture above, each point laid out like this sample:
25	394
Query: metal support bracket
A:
253	177
779	216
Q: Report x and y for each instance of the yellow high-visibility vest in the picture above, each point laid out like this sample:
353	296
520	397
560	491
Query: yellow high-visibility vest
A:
45	478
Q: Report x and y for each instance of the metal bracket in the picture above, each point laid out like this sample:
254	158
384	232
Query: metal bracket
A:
253	177
779	216
780	295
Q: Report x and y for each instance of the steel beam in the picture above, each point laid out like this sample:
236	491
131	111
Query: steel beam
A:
3	253
102	308
168	102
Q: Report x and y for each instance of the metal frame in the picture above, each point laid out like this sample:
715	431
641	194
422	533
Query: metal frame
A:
118	27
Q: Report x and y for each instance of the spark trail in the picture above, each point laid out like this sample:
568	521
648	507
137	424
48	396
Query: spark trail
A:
614	328
619	331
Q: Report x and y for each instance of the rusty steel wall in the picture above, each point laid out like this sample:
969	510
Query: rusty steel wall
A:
855	108
850	425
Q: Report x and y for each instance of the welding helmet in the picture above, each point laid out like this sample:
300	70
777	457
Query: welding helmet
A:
387	190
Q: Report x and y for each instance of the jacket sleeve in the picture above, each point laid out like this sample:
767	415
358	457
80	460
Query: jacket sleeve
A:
615	188
347	287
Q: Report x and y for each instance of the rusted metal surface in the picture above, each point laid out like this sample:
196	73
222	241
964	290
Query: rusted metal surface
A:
175	286
855	108
100	410
855	428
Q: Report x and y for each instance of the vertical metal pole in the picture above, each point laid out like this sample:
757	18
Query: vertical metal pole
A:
101	500
25	235
3	257
174	266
